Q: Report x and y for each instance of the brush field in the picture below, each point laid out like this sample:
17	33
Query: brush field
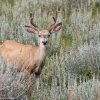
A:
72	67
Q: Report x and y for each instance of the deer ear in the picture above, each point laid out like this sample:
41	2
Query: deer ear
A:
32	29
57	27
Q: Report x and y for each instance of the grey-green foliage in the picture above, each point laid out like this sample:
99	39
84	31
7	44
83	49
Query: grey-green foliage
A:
73	50
87	90
12	85
85	56
86	39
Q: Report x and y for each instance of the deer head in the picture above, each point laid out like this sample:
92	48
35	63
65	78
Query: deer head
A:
44	34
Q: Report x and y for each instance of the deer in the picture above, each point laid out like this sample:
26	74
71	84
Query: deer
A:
30	57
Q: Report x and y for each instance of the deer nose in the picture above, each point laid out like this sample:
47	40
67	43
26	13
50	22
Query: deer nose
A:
44	42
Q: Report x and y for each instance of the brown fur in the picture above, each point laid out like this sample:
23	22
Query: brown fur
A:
26	56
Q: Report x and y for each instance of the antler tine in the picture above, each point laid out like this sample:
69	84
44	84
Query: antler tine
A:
55	20
31	21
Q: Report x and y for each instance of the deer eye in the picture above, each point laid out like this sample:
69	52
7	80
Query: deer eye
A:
49	35
39	35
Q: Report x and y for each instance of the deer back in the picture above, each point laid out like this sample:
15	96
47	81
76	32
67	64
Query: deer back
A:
24	55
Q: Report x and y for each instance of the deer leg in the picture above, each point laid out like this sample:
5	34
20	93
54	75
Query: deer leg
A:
37	74
38	70
37	83
27	74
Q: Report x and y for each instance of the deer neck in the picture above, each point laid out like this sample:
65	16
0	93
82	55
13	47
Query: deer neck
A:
42	51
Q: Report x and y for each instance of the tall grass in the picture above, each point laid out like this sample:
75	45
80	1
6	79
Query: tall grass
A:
73	56
12	85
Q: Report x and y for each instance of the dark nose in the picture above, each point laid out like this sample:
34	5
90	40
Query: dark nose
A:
44	42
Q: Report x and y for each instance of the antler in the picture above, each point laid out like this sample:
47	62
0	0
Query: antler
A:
31	22
53	24
55	18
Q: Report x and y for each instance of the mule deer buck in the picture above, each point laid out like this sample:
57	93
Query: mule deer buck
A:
30	58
